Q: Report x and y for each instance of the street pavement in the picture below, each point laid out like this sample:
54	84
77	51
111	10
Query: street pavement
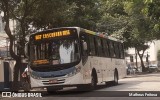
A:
141	84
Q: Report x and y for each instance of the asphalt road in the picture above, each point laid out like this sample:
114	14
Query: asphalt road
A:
135	87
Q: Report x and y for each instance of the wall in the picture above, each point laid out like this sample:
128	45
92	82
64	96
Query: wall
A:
152	52
11	66
1	75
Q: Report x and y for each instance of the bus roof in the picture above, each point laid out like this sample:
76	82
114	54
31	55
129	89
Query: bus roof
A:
100	34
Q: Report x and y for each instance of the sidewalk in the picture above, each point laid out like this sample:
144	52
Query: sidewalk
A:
138	74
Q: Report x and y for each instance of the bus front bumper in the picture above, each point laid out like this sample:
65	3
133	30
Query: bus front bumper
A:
58	81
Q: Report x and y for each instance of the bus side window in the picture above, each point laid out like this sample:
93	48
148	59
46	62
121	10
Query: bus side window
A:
84	45
95	46
103	48
112	51
106	48
100	48
91	45
116	49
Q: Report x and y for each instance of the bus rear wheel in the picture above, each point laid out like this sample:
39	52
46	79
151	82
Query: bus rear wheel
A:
115	82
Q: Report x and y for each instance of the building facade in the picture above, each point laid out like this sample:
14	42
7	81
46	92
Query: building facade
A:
149	58
4	41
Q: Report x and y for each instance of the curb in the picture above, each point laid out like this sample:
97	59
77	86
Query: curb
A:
141	73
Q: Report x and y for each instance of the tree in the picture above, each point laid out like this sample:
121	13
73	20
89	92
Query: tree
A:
127	20
6	9
63	13
152	11
141	31
114	17
86	14
18	10
50	14
42	14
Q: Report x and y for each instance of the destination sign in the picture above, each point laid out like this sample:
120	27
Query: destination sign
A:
41	61
52	35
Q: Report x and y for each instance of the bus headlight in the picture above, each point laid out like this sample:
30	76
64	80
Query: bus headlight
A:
74	71
34	76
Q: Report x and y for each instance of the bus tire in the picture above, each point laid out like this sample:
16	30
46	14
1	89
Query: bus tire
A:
93	80
115	82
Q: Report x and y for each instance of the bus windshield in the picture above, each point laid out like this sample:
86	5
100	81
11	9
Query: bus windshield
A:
54	52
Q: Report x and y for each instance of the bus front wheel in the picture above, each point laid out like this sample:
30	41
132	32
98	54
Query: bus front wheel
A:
93	81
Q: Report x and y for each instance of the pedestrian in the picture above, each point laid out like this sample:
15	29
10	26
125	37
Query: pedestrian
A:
24	74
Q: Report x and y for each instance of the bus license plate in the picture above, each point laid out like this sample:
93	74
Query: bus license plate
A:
53	81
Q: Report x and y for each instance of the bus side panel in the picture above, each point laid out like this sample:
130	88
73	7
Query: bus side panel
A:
120	66
70	81
107	65
86	71
105	68
97	64
122	69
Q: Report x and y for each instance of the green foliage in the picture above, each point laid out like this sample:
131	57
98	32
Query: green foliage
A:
134	21
61	13
114	17
141	31
153	8
49	12
85	14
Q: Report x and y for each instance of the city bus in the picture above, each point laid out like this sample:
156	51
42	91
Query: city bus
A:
73	57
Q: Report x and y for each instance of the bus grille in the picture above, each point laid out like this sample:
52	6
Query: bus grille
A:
58	81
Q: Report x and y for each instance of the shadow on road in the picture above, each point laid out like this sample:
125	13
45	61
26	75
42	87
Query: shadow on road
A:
154	74
75	92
